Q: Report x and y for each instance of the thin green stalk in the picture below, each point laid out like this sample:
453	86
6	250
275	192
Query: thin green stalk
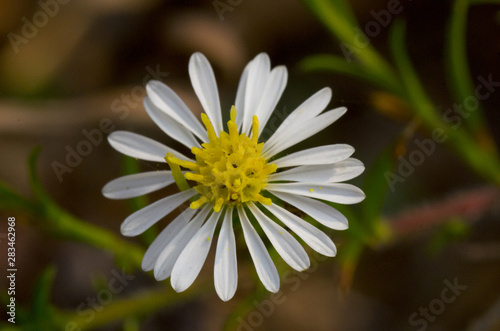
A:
56	220
459	76
485	164
139	305
338	64
332	14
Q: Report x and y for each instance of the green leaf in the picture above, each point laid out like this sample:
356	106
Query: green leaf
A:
485	164
60	223
326	62
413	87
459	77
36	186
376	186
41	297
11	200
349	257
131	324
340	21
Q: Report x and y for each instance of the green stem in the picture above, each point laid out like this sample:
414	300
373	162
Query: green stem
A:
334	17
179	178
142	304
459	76
484	163
64	225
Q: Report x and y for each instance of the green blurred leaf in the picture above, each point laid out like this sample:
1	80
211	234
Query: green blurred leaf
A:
485	164
36	186
349	257
326	62
42	310
413	87
336	15
340	21
375	187
131	324
59	222
11	200
375	184
459	77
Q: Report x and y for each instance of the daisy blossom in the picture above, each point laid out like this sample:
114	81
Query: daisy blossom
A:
233	175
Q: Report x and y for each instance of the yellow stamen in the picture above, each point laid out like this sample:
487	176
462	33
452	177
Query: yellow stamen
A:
171	159
218	204
198	203
229	169
255	129
263	200
231	125
212	137
195	177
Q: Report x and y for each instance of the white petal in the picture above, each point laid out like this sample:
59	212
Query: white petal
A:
303	131
338	192
272	93
241	95
193	256
170	126
320	211
324	173
165	237
137	184
140	147
142	219
205	87
167	100
257	78
169	255
266	270
225	268
317	155
314	237
307	110
286	245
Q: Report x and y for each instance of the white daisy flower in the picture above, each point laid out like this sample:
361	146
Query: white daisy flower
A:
234	176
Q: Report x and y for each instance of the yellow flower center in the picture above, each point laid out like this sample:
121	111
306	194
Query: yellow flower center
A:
229	169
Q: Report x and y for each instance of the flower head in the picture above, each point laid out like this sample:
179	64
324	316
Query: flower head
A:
233	175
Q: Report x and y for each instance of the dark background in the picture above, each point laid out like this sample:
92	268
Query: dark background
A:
78	68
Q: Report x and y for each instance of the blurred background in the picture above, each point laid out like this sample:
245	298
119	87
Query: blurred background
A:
68	68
